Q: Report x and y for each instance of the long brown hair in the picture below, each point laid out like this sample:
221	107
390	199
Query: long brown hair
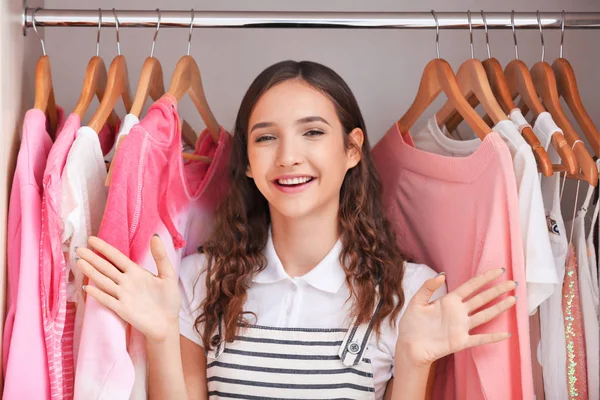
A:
370	255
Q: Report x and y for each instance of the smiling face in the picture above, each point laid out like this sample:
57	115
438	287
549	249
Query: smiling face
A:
296	149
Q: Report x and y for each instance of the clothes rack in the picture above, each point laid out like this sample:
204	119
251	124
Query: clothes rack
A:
296	19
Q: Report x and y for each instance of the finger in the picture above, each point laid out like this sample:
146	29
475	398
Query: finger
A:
485	297
163	265
100	264
428	289
486	338
473	284
102	281
103	298
491	312
118	259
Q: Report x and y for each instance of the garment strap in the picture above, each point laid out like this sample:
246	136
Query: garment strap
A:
356	340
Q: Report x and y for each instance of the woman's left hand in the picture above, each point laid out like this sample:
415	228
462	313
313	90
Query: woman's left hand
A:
430	331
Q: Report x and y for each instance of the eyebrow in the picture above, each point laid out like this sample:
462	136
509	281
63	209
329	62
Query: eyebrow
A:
313	118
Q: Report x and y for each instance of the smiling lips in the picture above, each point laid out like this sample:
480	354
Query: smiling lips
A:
293	184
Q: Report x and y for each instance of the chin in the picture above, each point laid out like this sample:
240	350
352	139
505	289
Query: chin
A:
293	210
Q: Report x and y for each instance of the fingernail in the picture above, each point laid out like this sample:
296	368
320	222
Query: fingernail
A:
77	259
503	270
76	248
156	234
441	273
516	298
516	283
83	287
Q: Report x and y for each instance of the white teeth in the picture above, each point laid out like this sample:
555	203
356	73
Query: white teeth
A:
294	181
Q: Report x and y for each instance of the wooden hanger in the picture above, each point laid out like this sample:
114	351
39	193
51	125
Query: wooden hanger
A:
117	86
520	84
437	77
44	90
187	79
151	84
568	90
94	83
545	84
499	86
473	80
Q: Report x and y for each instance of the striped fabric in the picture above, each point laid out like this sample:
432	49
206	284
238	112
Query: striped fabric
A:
291	363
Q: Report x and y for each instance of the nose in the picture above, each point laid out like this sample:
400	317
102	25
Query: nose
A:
288	153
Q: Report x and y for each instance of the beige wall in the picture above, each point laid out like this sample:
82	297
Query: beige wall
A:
18	56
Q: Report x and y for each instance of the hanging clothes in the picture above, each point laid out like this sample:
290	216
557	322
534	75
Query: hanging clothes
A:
82	206
588	295
482	232
58	314
540	272
129	122
24	357
574	331
151	191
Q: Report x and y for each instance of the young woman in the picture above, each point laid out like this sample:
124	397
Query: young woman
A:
301	292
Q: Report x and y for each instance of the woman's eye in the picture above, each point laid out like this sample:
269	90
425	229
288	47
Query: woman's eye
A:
314	132
264	138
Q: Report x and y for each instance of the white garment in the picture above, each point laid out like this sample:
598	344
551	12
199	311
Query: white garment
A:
83	201
314	300
552	353
539	261
129	122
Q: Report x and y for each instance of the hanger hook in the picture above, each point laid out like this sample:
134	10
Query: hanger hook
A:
470	33
541	34
191	31
117	28
562	32
99	29
155	34
512	23
36	31
487	38
437	33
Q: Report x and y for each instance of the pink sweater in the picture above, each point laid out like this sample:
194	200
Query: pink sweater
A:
460	215
24	358
152	191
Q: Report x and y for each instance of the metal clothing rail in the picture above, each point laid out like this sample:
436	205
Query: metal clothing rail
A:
296	19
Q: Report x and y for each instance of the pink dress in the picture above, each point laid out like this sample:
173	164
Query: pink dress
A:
460	215
151	191
576	360
24	359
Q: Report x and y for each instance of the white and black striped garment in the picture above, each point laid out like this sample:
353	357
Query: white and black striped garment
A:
292	363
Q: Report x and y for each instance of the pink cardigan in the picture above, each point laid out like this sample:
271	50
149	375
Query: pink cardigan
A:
152	191
460	215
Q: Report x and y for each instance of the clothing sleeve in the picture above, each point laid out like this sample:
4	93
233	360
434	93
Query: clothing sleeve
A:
540	271
415	276
192	275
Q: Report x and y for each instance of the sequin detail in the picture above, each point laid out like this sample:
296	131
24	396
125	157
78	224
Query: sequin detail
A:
571	304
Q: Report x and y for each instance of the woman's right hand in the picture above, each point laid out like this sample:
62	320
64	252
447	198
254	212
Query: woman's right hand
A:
150	303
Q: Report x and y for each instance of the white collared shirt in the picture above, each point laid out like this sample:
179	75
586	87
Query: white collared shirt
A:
314	300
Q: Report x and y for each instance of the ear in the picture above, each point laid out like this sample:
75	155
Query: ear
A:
249	172
354	153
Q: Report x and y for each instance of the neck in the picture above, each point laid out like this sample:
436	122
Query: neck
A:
301	243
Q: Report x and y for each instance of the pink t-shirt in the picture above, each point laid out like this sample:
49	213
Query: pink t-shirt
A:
24	359
460	215
58	314
152	191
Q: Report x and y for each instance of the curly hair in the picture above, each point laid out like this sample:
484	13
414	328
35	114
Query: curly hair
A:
370	255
